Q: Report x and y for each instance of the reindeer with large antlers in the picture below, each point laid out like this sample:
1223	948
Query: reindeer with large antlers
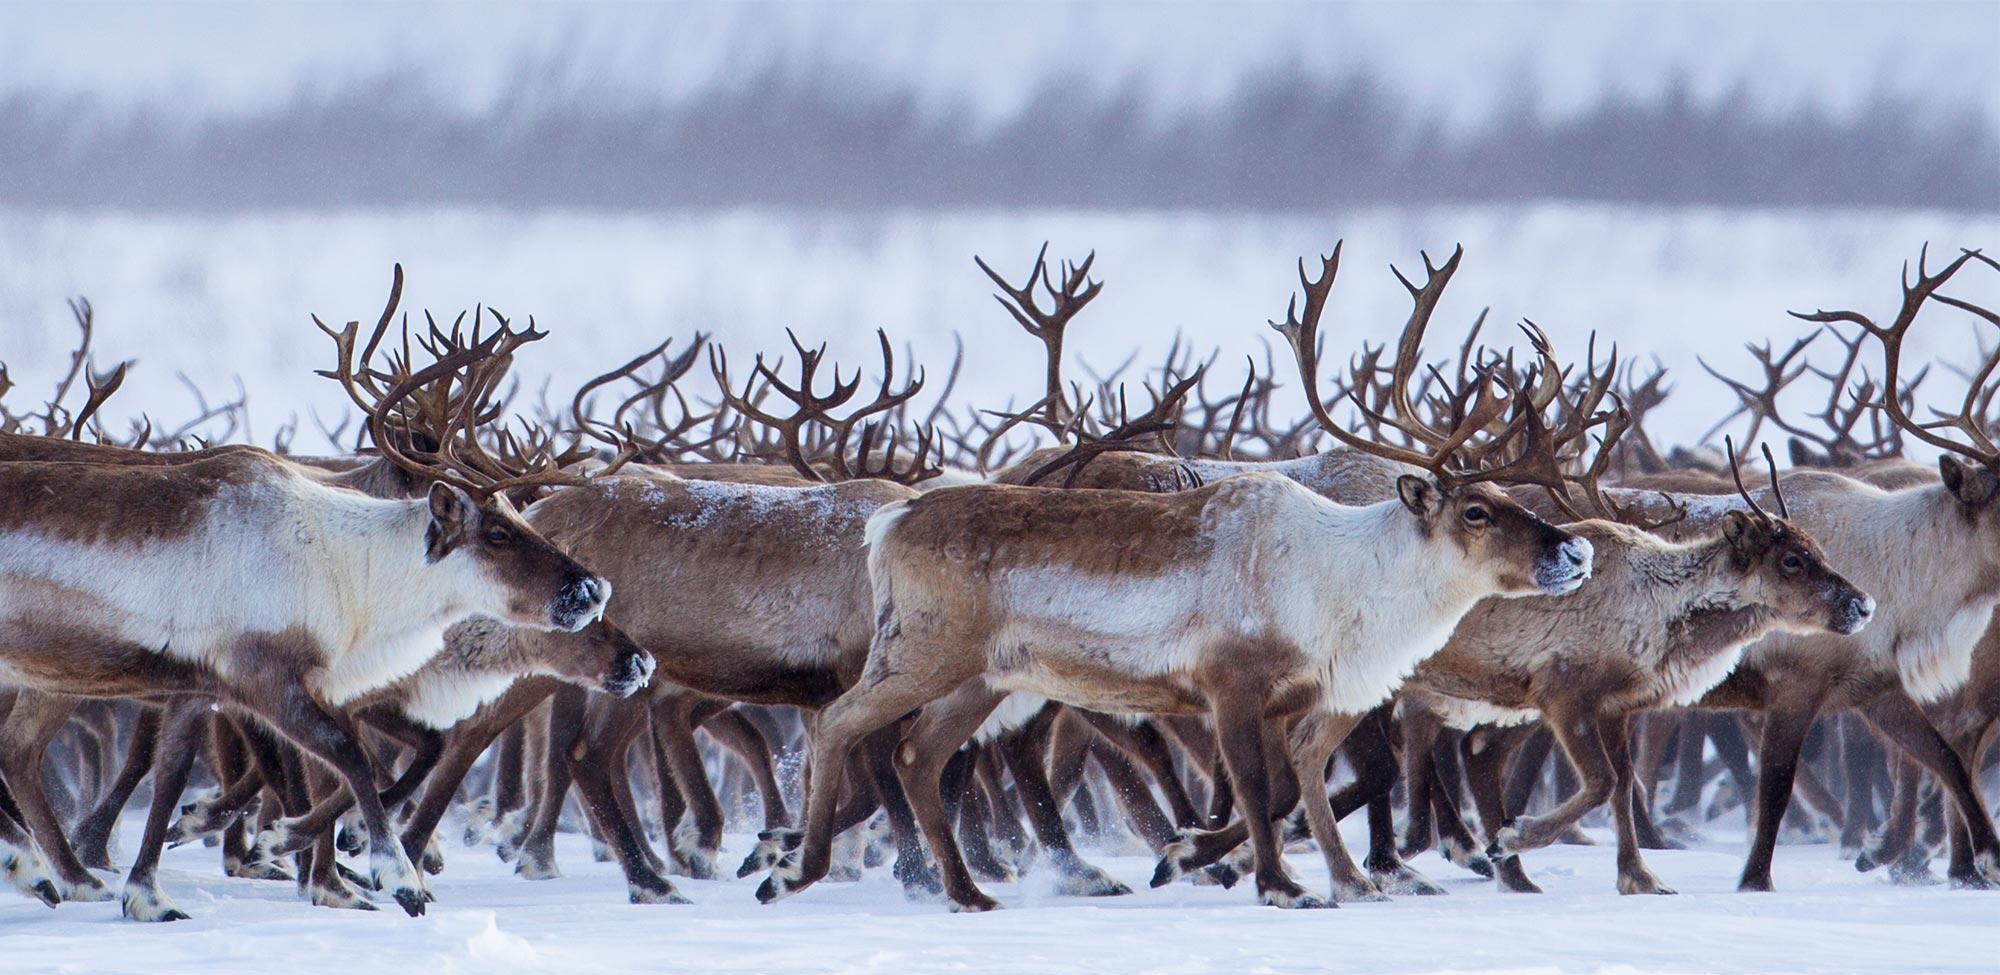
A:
132	582
1928	550
1246	599
770	597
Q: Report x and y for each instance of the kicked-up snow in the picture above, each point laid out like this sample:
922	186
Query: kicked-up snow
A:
1825	918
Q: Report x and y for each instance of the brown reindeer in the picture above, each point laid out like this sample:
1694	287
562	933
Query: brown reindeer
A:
130	582
1127	602
1661	624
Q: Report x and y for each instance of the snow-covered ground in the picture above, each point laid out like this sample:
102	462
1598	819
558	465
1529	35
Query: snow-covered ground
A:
224	296
1826	918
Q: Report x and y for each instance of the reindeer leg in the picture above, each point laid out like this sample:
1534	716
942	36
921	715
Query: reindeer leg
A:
1785	730
535	856
93	834
1421	729
1134	796
1024	750
927	747
593	761
1486	752
1375	770
1239	728
331	739
1900	720
468	741
737	733
180	728
673	729
883	695
1615	736
1313	739
24	743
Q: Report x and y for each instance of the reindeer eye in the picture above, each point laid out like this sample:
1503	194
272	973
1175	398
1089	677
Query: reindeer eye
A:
499	536
1793	563
1476	515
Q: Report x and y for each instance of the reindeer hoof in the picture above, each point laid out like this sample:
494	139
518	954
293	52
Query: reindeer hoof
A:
24	869
977	904
1085	880
338	896
88	891
786	878
1293	900
1400	880
536	866
1754	885
411	900
45	891
665	894
147	903
282	838
349	840
432	861
1464	856
1173	861
255	869
1644	883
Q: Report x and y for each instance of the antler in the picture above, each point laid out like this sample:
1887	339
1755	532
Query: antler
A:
1777	492
811	407
448	401
1128	434
1972	419
1066	297
1468	410
662	440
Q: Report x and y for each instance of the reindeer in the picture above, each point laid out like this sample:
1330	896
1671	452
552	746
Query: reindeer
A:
127	581
1147	603
771	599
1660	625
1928	551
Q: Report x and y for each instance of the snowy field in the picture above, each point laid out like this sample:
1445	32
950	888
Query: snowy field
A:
1826	918
219	297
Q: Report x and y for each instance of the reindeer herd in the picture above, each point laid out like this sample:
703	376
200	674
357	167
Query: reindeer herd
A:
992	632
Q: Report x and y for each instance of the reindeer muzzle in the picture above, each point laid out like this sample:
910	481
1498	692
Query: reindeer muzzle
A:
1560	572
632	671
1851	613
581	602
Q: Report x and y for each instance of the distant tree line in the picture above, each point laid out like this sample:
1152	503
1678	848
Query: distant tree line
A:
1283	141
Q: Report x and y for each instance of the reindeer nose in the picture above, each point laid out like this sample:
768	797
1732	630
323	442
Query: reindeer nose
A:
1861	607
588	590
1578	552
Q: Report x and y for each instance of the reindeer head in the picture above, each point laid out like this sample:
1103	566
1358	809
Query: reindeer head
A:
1527	555
599	656
428	423
524	579
1782	568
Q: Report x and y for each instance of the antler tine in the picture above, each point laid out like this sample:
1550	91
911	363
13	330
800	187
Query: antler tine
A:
1736	474
1915	294
1777	490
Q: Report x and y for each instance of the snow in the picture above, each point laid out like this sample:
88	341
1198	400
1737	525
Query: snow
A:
1825	918
220	296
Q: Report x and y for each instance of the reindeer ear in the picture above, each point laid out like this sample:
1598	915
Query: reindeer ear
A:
452	510
1972	486
1738	528
1419	494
